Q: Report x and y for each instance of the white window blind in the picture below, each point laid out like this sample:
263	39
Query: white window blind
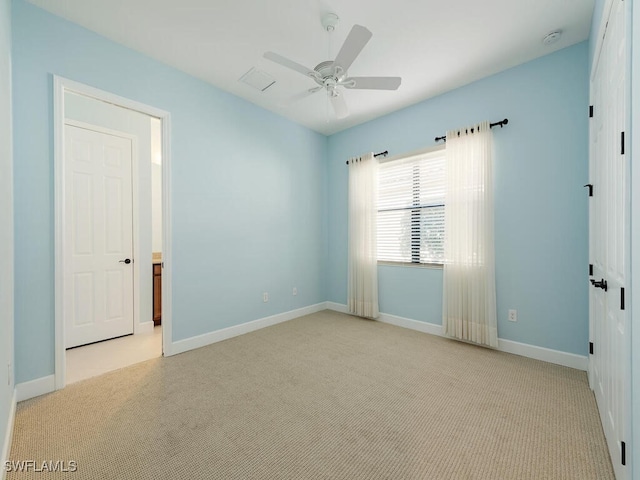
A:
411	209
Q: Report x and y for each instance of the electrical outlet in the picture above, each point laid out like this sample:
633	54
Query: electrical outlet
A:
513	315
295	290
265	297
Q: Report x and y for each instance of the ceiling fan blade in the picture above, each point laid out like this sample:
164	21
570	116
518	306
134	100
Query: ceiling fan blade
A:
373	83
304	94
285	62
353	45
339	105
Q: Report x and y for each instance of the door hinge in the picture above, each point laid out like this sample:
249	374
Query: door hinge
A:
590	188
623	453
622	298
590	111
591	269
590	348
621	143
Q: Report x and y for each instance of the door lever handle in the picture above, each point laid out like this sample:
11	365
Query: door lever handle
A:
601	284
126	260
593	282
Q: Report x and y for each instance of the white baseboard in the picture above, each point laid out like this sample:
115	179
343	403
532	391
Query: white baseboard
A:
572	360
337	307
144	327
8	437
225	333
35	388
425	327
557	357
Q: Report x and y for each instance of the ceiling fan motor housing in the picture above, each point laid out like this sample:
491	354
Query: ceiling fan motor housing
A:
330	21
327	70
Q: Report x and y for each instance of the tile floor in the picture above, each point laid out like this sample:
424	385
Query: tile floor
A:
98	358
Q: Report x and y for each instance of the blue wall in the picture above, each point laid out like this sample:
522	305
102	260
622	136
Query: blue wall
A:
541	229
248	200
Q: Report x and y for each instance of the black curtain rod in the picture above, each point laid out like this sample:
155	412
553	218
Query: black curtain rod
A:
381	154
502	123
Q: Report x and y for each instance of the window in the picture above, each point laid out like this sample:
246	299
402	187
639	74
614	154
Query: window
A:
411	209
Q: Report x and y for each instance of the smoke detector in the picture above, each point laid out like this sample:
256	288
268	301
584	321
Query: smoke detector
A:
330	22
552	37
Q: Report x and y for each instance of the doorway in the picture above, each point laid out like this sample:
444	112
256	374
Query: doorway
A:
112	247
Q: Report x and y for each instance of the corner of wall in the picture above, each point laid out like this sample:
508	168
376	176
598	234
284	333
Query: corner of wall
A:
579	362
8	437
203	340
7	357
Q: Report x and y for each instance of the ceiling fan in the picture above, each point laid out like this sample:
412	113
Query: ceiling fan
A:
331	74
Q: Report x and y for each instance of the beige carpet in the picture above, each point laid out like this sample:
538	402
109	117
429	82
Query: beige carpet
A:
326	396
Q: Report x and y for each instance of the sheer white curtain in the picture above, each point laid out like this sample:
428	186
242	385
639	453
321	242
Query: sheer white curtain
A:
363	214
469	299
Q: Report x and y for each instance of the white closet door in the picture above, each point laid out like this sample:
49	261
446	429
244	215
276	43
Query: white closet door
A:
609	234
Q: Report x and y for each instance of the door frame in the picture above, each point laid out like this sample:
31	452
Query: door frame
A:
62	85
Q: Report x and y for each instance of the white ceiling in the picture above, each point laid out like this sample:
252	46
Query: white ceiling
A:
434	45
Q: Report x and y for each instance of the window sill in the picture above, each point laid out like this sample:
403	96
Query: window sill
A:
435	266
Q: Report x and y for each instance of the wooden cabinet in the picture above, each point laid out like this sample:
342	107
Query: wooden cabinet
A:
157	293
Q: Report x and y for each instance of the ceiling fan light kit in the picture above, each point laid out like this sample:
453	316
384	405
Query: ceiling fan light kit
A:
331	74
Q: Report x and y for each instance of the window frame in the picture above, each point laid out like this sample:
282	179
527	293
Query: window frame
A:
415	212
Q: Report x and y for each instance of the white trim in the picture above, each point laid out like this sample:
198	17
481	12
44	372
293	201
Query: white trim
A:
425	327
167	278
60	85
337	307
35	388
8	437
223	334
144	327
557	357
109	97
565	359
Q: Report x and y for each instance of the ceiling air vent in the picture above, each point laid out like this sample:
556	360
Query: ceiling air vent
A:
257	79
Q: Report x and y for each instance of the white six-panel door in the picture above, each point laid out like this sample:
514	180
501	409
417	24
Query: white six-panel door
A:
608	233
98	236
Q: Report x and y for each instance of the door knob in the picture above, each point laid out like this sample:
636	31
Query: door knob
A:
601	284
126	260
